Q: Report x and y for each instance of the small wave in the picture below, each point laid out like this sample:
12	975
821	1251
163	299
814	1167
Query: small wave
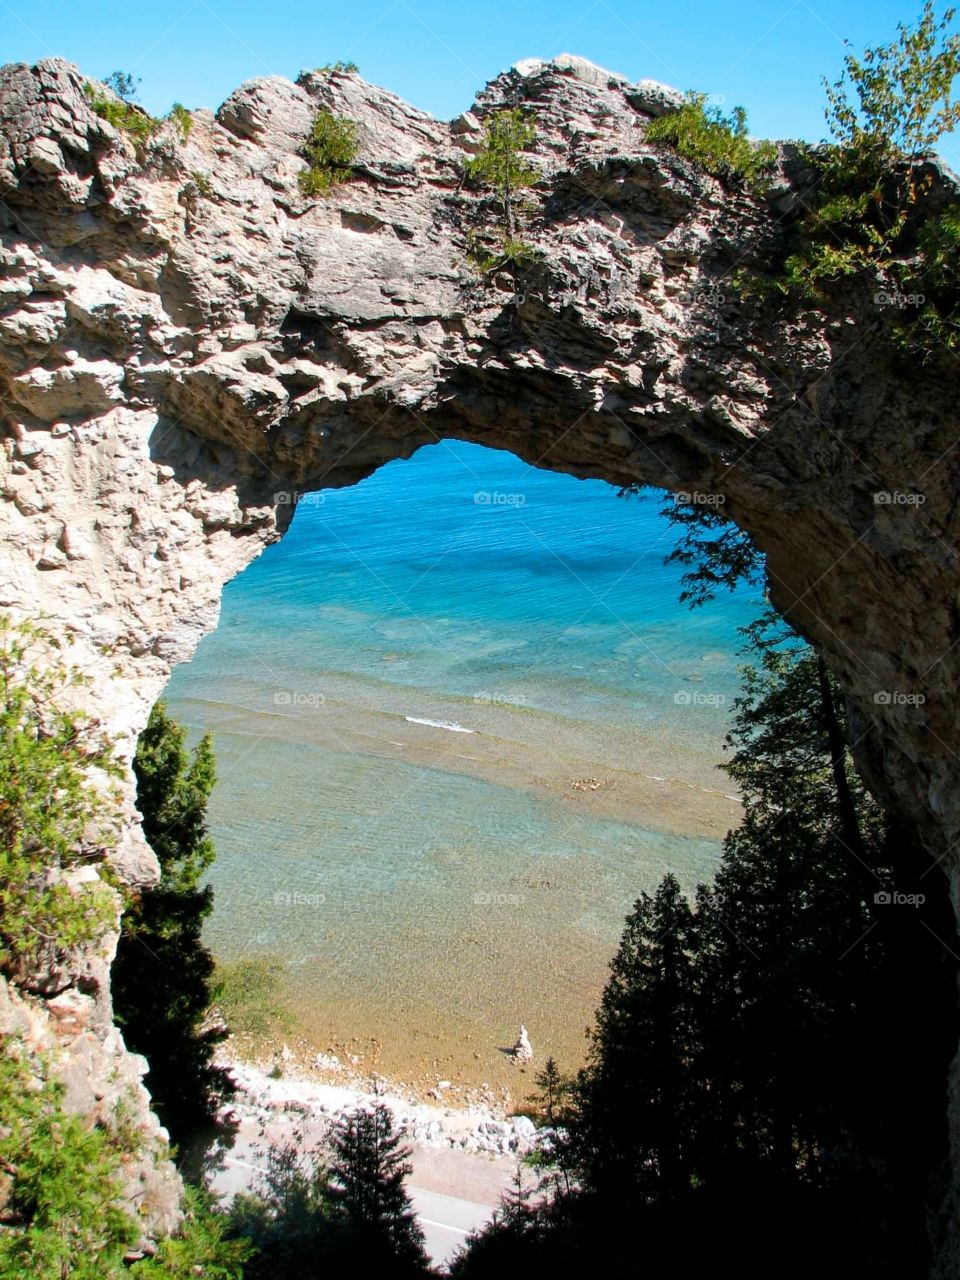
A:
439	724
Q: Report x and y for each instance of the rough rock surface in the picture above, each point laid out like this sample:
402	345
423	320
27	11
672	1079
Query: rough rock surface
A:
187	344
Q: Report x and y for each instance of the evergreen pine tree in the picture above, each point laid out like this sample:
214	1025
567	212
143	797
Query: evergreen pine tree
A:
553	1156
286	1215
637	1093
367	1169
162	974
61	1199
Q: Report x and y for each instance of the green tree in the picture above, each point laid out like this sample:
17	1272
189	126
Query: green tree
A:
367	1169
60	1207
59	810
286	1216
123	84
554	1103
896	101
500	164
330	152
637	1094
201	1246
163	973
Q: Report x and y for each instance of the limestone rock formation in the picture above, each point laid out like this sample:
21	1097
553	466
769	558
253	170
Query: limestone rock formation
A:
188	344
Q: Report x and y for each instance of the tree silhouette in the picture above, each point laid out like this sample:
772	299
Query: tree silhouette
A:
367	1168
163	973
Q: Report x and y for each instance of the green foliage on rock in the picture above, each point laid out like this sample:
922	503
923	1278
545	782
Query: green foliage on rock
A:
58	805
337	68
59	1184
119	108
502	251
122	114
932	281
62	1208
330	152
204	1245
718	143
501	167
867	220
181	119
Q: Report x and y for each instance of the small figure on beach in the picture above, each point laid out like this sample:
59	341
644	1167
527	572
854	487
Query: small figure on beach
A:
523	1049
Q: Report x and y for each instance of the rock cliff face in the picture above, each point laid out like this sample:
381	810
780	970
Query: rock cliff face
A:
187	344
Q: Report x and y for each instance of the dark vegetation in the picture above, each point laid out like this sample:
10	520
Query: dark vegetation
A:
769	1061
339	1208
163	975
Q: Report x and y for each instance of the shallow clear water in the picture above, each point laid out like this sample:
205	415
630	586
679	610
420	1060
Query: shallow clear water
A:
461	721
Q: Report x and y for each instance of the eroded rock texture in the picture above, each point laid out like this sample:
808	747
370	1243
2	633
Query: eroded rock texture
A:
188	343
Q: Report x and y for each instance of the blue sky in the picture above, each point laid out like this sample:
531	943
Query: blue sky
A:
766	55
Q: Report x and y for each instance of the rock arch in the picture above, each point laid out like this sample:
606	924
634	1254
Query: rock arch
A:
187	343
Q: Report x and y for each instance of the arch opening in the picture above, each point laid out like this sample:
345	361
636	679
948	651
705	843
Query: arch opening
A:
461	721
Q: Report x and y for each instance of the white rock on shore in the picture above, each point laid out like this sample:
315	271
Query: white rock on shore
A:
474	1129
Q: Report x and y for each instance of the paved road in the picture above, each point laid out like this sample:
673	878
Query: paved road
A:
446	1220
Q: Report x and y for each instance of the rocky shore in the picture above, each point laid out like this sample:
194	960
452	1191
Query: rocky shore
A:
263	1098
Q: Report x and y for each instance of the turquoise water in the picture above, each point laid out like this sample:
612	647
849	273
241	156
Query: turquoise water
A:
461	720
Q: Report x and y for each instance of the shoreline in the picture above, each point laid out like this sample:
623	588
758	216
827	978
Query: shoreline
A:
318	1096
410	924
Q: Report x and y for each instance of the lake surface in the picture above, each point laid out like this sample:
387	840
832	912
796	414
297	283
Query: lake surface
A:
461	721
